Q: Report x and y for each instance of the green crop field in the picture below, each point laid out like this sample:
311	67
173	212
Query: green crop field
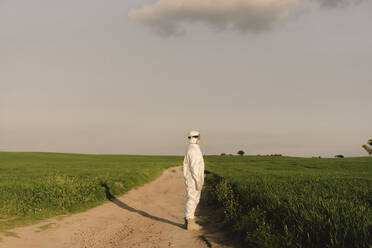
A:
35	186
267	201
294	202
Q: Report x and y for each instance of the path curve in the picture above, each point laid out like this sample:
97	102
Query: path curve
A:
150	216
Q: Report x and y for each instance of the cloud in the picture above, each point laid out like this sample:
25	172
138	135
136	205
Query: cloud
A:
337	3
169	17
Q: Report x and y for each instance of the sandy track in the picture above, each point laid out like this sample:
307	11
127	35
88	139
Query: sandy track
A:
150	216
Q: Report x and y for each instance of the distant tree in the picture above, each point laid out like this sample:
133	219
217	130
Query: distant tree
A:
339	156
368	147
241	152
223	154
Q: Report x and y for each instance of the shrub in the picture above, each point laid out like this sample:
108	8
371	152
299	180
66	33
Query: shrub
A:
241	152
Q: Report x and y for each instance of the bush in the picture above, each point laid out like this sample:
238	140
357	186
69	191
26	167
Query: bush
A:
241	152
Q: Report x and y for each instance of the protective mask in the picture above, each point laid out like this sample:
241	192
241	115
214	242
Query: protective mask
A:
194	141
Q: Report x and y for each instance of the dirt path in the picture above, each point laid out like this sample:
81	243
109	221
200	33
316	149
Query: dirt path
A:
150	216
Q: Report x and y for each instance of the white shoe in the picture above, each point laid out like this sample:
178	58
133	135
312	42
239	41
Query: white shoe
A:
192	226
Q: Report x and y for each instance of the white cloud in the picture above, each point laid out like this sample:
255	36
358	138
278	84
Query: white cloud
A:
168	17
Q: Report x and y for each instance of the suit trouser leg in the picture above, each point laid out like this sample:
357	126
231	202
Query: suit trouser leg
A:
191	202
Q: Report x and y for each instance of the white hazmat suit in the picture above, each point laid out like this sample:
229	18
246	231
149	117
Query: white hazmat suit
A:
193	172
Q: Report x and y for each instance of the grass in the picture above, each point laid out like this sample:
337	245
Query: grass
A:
37	186
45	227
294	202
267	201
10	234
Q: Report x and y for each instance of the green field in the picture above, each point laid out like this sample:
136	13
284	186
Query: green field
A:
294	202
267	201
35	186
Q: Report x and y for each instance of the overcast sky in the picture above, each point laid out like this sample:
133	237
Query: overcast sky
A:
134	76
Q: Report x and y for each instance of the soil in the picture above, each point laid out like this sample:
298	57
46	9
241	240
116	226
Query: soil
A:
150	216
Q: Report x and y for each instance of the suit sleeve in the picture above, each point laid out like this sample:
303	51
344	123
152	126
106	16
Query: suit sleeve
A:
185	164
197	169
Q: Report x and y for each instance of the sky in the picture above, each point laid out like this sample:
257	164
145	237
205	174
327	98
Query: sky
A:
289	77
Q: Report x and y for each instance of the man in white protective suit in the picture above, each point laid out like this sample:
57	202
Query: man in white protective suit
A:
193	172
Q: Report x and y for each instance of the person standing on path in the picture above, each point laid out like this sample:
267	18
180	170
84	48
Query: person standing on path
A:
193	172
